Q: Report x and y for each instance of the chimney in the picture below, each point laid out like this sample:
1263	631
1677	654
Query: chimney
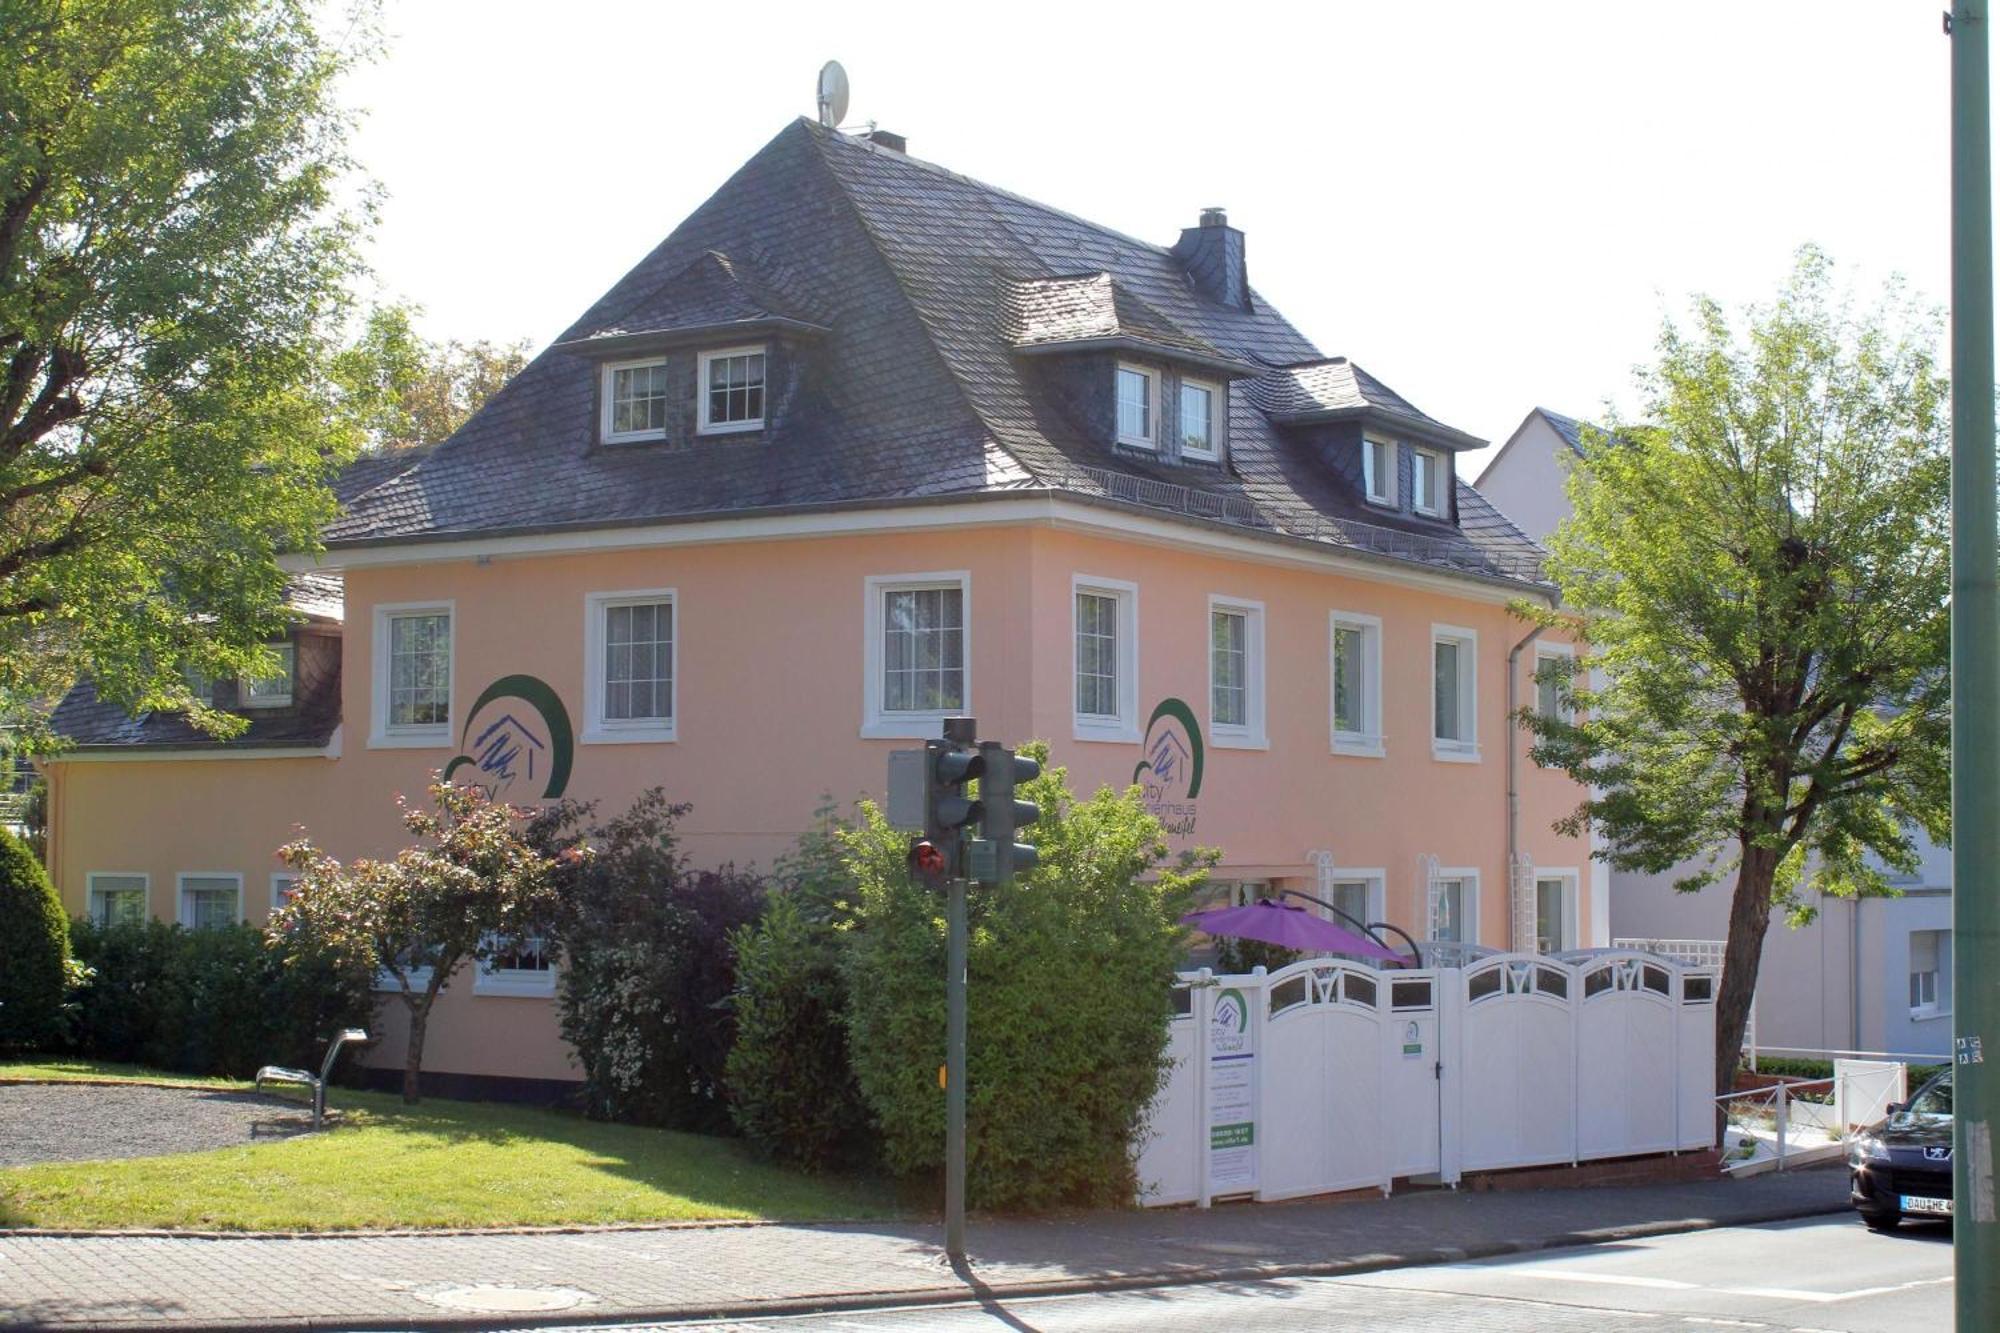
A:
1212	253
888	139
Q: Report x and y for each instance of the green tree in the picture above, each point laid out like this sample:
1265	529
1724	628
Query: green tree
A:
34	942
1761	569
474	889
409	390
173	275
1070	971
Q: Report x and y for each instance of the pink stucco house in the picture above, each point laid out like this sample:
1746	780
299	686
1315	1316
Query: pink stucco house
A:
861	445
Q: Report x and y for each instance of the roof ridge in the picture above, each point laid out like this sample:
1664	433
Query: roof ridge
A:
860	215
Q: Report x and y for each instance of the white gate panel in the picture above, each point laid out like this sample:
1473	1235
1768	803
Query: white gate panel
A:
1517	1051
1169	1157
1410	1055
1626	1070
1323	1119
1695	1053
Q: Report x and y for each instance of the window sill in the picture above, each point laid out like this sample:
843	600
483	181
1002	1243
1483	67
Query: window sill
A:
603	735
1360	747
516	986
905	726
1237	740
1926	1015
1192	456
1387	502
1139	442
730	428
262	705
635	437
430	738
1115	733
1452	754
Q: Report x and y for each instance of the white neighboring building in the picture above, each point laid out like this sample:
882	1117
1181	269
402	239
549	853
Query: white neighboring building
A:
1873	975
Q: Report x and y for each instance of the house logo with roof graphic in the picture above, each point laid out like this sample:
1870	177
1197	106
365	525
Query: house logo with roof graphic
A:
1169	777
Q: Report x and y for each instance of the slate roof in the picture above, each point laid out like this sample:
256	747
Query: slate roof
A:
1334	388
1570	428
89	722
933	287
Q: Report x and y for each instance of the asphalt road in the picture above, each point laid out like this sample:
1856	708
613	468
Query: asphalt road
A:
1827	1275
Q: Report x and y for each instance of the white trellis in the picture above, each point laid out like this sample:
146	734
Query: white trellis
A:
1428	876
1522	935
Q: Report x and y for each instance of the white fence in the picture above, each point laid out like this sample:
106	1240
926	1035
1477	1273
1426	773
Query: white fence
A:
1328	1075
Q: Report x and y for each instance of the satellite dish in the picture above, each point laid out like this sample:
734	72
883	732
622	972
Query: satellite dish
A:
832	94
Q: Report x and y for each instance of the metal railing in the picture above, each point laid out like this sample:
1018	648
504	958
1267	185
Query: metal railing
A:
1459	553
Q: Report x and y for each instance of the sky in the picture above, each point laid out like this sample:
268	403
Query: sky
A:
1488	206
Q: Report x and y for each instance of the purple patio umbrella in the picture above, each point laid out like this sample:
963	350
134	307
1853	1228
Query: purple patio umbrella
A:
1291	927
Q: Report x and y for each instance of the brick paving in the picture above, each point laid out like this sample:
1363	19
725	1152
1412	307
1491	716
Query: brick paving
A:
491	1280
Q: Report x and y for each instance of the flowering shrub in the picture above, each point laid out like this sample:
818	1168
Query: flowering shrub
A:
474	889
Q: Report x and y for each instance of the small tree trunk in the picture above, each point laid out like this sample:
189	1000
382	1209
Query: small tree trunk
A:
1749	918
413	1055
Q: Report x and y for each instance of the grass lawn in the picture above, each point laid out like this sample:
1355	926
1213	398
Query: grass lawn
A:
66	1071
440	1164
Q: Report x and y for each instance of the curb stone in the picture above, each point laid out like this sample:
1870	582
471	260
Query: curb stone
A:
960	1292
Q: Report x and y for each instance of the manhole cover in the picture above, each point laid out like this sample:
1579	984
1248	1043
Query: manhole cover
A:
509	1300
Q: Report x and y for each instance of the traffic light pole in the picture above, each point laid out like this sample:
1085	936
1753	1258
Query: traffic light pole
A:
954	1068
1975	681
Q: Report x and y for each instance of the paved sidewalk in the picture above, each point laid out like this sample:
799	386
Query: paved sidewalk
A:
488	1281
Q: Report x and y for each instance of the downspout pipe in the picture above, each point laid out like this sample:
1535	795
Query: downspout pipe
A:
1513	771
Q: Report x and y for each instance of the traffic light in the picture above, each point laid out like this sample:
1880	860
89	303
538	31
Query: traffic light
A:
997	856
949	809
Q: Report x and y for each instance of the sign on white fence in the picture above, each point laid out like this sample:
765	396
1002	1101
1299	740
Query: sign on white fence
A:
1326	1075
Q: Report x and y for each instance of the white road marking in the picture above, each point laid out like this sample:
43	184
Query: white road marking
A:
1829	1297
1607	1279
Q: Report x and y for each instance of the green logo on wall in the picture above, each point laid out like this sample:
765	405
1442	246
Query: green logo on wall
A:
528	740
1170	775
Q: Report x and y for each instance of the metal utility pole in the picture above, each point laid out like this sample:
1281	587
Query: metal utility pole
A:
1975	679
958	731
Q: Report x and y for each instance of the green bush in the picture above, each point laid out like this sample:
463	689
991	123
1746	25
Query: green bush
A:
217	1001
1070	974
34	945
648	968
792	1091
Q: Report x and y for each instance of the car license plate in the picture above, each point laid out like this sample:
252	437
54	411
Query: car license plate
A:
1917	1203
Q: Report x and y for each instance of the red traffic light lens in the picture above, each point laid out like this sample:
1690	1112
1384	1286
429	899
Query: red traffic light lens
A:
927	859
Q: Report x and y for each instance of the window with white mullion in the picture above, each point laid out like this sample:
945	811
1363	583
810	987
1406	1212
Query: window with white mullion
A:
209	901
732	389
275	690
639	662
1428	470
1138	406
923	650
419	670
1198	425
1378	470
635	400
117	899
1229	649
1096	655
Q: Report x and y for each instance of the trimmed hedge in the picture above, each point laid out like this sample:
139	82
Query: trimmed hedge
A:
34	945
215	1001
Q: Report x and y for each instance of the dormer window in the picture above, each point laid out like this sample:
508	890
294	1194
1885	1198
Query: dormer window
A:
1198	423
1427	473
275	690
1378	470
1138	406
635	401
732	397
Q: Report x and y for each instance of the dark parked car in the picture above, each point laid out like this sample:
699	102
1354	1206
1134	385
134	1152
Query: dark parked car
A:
1902	1166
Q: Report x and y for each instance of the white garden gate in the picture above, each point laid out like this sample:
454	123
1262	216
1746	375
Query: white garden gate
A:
1329	1075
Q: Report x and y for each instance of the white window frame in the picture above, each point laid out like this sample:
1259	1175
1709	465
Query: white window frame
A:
1368	742
429	735
524	983
181	889
1470	936
1572	879
878	722
1377	880
1212	454
282	882
1124	727
420	979
1940	1004
90	890
703	426
1550	652
1466	750
246	699
1376	488
609	381
1152	377
597	728
1436	508
1251	735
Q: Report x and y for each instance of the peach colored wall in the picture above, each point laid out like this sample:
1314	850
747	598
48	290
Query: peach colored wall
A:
769	655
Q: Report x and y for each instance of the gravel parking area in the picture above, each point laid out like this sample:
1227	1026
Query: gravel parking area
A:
75	1122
